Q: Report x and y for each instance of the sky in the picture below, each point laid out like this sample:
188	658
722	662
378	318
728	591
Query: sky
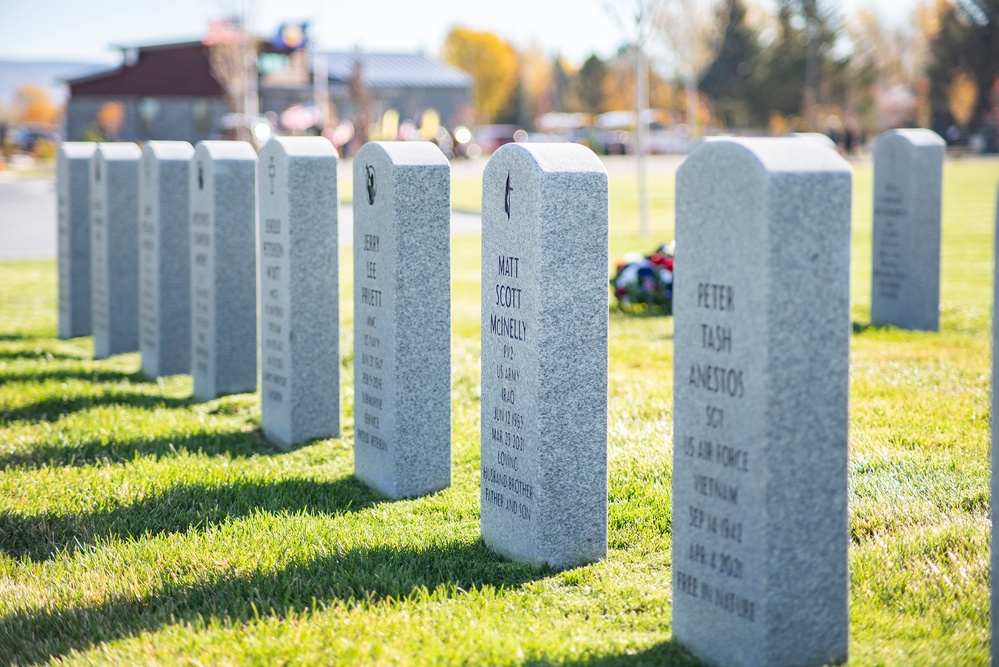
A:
84	30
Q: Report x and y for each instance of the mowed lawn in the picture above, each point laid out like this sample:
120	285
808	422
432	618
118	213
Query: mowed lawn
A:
139	527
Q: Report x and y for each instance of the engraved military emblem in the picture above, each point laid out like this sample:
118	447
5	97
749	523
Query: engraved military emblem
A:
272	172
201	175
371	184
506	199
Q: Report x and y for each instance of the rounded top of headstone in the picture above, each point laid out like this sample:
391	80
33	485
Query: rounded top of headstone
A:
118	150
818	137
553	158
300	146
916	136
774	154
226	150
168	150
405	153
77	149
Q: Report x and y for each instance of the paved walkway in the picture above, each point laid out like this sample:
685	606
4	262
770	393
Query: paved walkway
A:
28	219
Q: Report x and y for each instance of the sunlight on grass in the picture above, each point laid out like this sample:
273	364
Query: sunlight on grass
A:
137	526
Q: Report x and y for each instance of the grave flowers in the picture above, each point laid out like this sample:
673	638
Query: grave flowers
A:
645	282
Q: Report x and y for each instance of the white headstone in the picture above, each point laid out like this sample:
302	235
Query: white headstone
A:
114	248
165	258
544	354
73	194
402	318
908	181
223	268
761	379
299	290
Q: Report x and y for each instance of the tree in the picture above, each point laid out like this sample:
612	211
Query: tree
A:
689	32
110	119
886	73
728	79
965	46
491	62
537	80
35	106
638	20
796	60
589	83
232	59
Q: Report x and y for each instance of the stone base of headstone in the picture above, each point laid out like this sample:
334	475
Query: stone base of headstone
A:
761	382
544	354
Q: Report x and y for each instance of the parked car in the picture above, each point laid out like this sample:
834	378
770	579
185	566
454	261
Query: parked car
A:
491	137
26	138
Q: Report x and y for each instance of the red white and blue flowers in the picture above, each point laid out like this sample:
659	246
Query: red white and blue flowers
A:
645	283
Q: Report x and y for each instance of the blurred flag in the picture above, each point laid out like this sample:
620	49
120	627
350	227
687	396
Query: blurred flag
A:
291	36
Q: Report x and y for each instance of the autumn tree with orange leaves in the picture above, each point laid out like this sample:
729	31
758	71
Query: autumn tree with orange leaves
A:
492	62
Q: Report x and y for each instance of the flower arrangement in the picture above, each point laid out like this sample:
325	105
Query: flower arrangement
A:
645	283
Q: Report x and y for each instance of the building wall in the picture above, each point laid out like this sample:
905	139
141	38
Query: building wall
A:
178	118
450	103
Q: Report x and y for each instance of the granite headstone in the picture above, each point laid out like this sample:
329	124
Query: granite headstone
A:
544	354
908	181
114	248
299	290
402	318
223	268
73	201
165	258
761	379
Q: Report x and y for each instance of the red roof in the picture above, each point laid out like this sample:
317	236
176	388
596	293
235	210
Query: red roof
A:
169	69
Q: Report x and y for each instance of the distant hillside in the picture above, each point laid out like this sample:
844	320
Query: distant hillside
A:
49	75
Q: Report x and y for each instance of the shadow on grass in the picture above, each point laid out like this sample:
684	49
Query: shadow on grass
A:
95	375
362	576
666	654
40	354
234	443
55	407
861	327
178	509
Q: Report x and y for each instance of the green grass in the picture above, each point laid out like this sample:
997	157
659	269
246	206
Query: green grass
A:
137	526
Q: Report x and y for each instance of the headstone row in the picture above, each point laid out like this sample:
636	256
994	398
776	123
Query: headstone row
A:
760	529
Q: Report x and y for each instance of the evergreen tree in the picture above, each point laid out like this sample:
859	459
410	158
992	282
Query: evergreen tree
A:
590	84
728	79
780	80
966	43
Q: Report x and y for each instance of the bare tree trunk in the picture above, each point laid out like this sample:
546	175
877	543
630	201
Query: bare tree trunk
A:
641	137
690	81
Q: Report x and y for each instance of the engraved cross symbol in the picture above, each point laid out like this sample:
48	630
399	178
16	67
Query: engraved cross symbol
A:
506	200
272	172
201	175
371	183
